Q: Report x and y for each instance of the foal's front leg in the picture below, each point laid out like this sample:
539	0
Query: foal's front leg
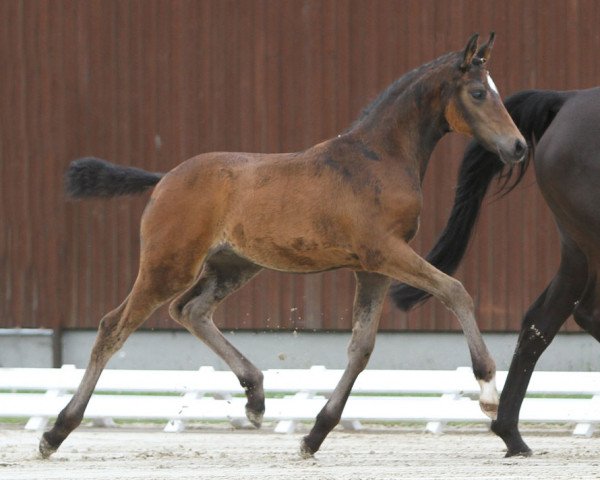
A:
399	261
370	293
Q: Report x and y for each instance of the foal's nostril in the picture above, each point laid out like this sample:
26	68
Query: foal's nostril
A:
520	149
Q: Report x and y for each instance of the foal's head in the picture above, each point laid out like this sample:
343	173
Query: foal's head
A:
475	106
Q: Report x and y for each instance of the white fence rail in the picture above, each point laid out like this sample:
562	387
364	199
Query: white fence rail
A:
206	394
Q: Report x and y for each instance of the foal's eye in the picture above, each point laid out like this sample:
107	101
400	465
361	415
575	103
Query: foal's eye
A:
478	94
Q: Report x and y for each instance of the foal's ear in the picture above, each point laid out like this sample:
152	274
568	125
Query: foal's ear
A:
469	52
485	50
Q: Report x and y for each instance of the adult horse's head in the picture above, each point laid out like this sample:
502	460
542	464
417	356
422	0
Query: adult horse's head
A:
475	107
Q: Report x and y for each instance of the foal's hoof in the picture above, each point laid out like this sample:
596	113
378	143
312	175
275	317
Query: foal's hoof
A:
305	451
519	453
489	398
490	409
255	417
46	449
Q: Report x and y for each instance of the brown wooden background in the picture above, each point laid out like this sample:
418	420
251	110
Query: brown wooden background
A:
151	82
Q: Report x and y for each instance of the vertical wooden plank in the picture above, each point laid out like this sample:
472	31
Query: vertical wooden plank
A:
21	240
14	190
506	259
7	18
53	283
73	48
126	221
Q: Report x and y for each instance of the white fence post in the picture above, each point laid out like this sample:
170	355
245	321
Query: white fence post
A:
40	423
438	427
289	426
587	429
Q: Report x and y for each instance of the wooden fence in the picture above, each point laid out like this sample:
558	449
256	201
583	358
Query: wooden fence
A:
152	82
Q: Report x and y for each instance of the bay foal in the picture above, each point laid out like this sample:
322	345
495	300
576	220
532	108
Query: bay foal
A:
353	201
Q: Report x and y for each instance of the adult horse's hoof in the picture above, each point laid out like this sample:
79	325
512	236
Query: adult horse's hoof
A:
305	451
46	449
255	417
509	433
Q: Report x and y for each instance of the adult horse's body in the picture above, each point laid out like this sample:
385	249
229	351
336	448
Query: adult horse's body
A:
567	167
353	201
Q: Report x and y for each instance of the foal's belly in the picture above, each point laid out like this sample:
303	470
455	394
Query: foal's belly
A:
299	255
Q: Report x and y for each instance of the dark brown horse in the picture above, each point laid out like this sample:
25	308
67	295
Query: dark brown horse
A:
218	219
567	168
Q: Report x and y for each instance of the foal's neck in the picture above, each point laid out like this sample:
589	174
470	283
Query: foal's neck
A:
408	123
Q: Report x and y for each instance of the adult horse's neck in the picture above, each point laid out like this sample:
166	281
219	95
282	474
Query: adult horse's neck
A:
407	119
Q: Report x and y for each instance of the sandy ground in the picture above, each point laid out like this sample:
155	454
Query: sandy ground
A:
217	452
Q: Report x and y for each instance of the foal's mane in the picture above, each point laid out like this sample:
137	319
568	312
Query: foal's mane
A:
404	84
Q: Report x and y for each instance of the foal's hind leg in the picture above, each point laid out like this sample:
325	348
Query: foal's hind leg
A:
540	324
223	273
150	291
371	289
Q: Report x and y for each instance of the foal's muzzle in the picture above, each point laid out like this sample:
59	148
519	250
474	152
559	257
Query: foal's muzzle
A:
520	150
514	152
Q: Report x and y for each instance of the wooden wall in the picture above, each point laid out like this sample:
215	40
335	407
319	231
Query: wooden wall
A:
152	82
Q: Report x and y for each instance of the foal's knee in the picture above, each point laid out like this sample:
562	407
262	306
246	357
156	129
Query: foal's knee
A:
456	297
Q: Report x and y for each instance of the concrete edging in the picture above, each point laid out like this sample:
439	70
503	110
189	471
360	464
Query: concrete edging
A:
180	350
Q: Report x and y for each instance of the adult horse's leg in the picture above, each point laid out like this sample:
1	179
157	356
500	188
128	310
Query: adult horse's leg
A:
223	273
370	293
540	324
587	312
156	283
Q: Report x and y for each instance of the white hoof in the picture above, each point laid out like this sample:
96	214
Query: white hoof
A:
489	398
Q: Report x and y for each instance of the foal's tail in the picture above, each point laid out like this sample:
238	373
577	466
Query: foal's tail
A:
92	177
532	111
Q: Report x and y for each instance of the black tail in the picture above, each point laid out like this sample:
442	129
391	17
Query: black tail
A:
92	177
532	111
